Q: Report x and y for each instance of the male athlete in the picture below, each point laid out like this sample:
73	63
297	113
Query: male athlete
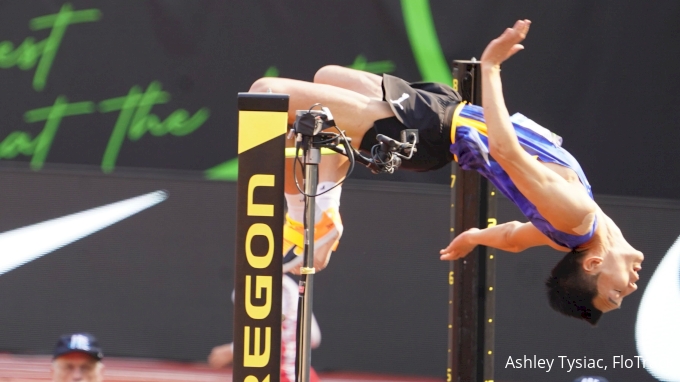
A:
522	159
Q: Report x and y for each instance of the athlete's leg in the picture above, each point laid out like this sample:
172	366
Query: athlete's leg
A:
353	112
365	83
334	167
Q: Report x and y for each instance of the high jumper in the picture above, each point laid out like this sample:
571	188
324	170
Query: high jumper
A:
522	159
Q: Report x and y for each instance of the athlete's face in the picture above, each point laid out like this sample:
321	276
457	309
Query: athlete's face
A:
617	279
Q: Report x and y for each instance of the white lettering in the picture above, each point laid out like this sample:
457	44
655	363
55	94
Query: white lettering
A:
550	363
79	341
510	362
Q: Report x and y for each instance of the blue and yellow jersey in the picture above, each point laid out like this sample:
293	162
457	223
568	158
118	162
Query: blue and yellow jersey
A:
470	147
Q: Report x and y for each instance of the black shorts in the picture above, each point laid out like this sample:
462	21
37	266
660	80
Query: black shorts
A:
425	106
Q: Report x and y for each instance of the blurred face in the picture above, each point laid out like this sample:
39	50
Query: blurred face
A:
617	279
76	367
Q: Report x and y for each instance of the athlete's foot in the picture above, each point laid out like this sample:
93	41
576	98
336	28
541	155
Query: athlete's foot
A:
327	233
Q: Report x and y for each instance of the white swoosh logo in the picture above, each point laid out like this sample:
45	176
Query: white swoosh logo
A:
21	245
657	330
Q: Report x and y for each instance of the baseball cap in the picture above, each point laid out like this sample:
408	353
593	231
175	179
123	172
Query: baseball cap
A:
78	342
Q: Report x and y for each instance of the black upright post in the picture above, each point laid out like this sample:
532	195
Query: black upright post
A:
471	279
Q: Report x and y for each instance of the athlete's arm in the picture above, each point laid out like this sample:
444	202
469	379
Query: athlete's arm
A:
565	205
510	237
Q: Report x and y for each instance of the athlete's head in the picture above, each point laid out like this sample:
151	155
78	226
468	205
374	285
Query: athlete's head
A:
571	290
618	275
586	284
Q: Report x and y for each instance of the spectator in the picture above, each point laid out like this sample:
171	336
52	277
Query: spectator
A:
77	357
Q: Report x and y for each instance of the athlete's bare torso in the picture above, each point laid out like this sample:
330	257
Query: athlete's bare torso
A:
607	233
572	178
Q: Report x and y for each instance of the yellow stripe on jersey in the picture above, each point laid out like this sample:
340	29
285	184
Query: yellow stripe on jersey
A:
454	121
457	121
473	123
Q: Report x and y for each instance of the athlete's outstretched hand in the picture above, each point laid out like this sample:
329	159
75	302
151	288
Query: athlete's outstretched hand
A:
460	246
506	44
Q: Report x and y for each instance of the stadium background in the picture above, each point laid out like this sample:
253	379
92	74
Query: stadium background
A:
157	285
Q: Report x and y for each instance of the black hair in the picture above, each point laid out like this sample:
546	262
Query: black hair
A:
571	291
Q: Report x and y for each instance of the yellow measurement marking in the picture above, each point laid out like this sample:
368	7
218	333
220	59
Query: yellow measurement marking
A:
492	222
453	180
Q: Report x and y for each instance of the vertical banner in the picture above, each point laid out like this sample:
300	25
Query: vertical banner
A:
262	123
